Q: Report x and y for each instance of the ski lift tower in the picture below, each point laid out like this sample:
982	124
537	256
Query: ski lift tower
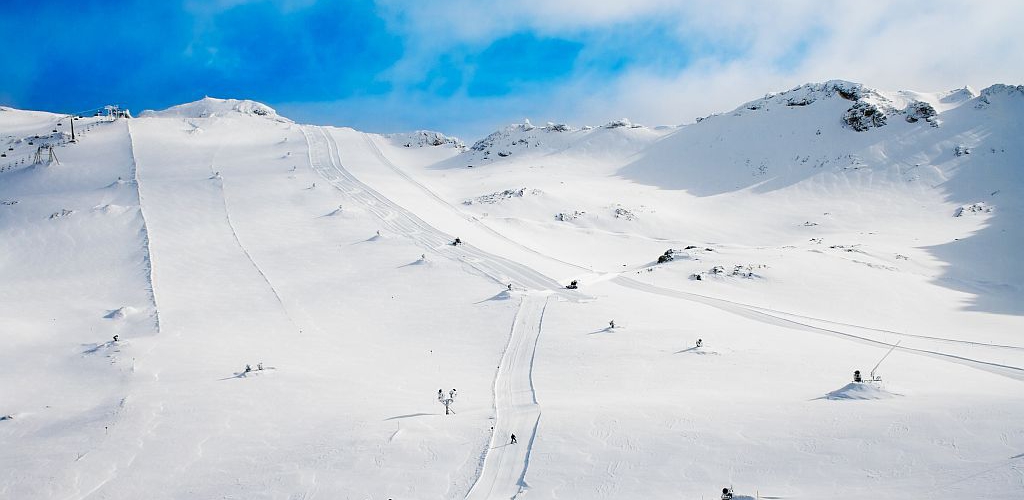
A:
51	155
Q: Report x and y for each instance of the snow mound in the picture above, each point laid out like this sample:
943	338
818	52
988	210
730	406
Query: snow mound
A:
860	391
112	209
502	295
121	312
209	107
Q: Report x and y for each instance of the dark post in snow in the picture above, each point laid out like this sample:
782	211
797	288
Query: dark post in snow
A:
446	400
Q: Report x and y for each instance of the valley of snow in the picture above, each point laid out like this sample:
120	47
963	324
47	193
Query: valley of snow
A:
801	237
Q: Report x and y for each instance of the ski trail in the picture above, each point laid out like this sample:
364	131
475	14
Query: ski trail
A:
515	406
1014	372
882	330
401	173
245	251
324	158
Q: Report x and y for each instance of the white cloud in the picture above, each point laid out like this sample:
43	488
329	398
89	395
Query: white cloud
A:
925	45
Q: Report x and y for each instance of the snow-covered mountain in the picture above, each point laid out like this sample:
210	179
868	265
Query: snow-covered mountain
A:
286	303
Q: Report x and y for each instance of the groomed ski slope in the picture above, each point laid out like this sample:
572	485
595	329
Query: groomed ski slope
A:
516	409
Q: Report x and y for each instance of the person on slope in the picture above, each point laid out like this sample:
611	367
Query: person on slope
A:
513	439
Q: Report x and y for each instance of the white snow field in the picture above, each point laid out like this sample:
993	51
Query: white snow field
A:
801	236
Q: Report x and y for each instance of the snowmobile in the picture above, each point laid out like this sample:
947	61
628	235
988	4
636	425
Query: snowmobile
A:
572	285
456	242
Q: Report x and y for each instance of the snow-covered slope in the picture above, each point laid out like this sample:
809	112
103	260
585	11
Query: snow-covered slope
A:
799	237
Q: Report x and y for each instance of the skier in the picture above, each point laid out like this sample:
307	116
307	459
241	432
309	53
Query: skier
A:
440	394
700	342
115	338
451	393
248	368
259	366
611	324
856	376
510	287
513	439
726	493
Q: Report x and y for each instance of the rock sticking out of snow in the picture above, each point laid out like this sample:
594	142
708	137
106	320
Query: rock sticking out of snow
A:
973	209
426	138
501	195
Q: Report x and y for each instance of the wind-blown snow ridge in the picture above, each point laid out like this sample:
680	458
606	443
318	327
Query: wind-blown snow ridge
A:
148	252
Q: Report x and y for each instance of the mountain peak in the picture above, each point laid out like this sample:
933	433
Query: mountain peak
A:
211	106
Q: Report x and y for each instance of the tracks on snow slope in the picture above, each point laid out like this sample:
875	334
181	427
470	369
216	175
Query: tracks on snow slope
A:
503	467
245	251
503	474
759	314
324	158
442	202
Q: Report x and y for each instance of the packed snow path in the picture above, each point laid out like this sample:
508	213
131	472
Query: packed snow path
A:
774	318
516	409
472	221
324	158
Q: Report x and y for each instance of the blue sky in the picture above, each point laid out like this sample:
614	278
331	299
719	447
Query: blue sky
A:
467	67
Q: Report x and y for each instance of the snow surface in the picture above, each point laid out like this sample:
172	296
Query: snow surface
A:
216	235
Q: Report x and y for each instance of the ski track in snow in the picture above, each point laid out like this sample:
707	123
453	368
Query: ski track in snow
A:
503	472
516	410
781	314
401	173
324	158
234	234
759	314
